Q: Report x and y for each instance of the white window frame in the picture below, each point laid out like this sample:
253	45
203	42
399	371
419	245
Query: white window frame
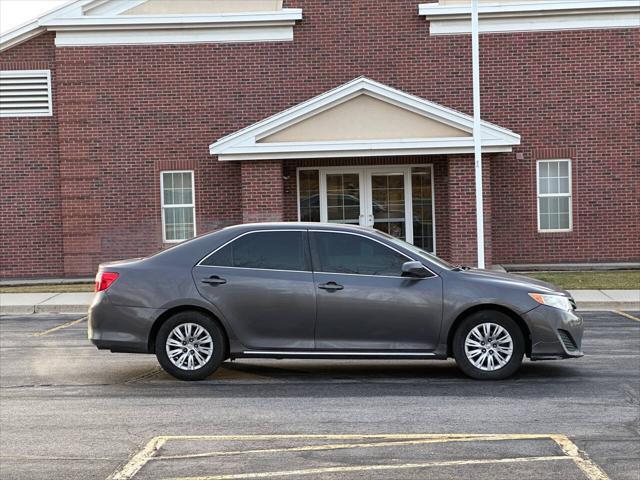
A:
365	172
30	73
555	195
186	205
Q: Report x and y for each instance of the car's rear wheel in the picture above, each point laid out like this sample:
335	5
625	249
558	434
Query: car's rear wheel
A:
190	346
488	345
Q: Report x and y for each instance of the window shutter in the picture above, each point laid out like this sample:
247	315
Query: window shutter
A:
25	93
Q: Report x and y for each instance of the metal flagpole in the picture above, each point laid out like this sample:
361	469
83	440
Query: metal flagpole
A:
477	140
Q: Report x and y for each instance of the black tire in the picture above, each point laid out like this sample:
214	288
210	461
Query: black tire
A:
498	318
218	337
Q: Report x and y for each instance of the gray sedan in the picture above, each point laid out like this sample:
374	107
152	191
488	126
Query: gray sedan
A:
309	290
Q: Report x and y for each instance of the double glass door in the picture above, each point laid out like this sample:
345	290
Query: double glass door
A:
396	200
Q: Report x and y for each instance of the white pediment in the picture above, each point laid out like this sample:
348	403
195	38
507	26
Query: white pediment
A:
364	117
139	22
202	7
361	118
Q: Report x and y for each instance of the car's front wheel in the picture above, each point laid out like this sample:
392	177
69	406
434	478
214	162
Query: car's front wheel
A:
190	346
488	345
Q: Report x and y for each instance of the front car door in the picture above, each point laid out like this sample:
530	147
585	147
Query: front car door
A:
363	301
262	283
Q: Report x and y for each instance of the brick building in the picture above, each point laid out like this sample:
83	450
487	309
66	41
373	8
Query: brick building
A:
132	124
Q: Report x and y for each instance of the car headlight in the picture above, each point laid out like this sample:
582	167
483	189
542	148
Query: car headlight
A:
555	301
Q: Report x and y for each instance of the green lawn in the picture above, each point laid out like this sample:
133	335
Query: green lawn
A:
56	288
598	280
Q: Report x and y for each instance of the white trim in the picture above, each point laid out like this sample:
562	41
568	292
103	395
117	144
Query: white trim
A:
35	74
533	16
243	144
568	195
76	28
156	37
365	172
186	205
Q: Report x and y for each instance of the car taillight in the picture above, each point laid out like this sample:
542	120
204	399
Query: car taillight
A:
104	280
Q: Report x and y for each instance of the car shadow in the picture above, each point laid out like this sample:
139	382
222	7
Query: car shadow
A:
361	379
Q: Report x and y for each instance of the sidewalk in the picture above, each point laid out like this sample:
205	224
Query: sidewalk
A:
26	303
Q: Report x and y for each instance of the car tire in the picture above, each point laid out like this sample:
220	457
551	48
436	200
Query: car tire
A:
488	345
206	345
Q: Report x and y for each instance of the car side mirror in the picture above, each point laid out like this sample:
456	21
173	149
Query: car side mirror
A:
415	269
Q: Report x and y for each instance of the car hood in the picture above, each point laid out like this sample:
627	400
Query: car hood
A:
509	279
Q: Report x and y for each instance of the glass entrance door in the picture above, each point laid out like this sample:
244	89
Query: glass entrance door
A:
397	200
343	198
387	202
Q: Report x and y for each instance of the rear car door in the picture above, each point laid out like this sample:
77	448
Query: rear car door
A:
262	283
363	301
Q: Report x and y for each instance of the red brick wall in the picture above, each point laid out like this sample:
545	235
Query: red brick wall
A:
125	110
260	204
30	213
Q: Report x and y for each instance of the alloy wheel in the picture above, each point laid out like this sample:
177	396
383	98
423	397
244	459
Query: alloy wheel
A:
189	346
488	346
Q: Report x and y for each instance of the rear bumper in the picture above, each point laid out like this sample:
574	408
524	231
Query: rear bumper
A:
554	333
119	328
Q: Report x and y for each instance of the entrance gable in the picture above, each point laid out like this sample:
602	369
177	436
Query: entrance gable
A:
361	118
364	117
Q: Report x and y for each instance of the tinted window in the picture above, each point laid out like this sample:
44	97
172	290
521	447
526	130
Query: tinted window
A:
266	250
345	253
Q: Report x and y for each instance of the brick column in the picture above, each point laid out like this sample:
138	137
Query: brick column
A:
462	210
262	191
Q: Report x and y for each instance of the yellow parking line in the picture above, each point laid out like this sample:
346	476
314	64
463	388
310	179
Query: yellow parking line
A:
350	436
151	449
624	314
371	468
339	446
139	459
589	468
59	327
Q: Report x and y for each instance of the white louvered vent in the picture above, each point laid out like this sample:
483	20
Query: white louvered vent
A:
25	93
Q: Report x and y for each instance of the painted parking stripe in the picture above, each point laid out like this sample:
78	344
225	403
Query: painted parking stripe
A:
339	446
60	327
150	453
627	315
371	468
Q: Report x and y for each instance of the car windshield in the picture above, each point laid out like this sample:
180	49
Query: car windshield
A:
418	251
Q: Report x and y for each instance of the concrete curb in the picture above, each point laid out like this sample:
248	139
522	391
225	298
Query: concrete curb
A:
28	303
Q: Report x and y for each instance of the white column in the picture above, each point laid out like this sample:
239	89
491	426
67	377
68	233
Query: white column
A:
477	140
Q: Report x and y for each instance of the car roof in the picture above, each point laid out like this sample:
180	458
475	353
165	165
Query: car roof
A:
304	225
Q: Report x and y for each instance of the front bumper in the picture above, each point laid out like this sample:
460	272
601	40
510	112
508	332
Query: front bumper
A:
555	333
119	328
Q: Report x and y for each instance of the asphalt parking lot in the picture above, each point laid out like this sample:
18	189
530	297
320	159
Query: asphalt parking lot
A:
68	411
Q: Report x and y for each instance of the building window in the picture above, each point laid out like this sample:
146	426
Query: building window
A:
554	195
25	93
309	195
178	206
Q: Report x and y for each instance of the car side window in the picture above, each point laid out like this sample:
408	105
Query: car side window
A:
286	250
347	253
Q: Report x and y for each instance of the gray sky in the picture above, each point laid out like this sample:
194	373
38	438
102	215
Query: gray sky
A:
16	12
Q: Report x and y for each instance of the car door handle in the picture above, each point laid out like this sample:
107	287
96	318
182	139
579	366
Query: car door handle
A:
214	280
331	286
